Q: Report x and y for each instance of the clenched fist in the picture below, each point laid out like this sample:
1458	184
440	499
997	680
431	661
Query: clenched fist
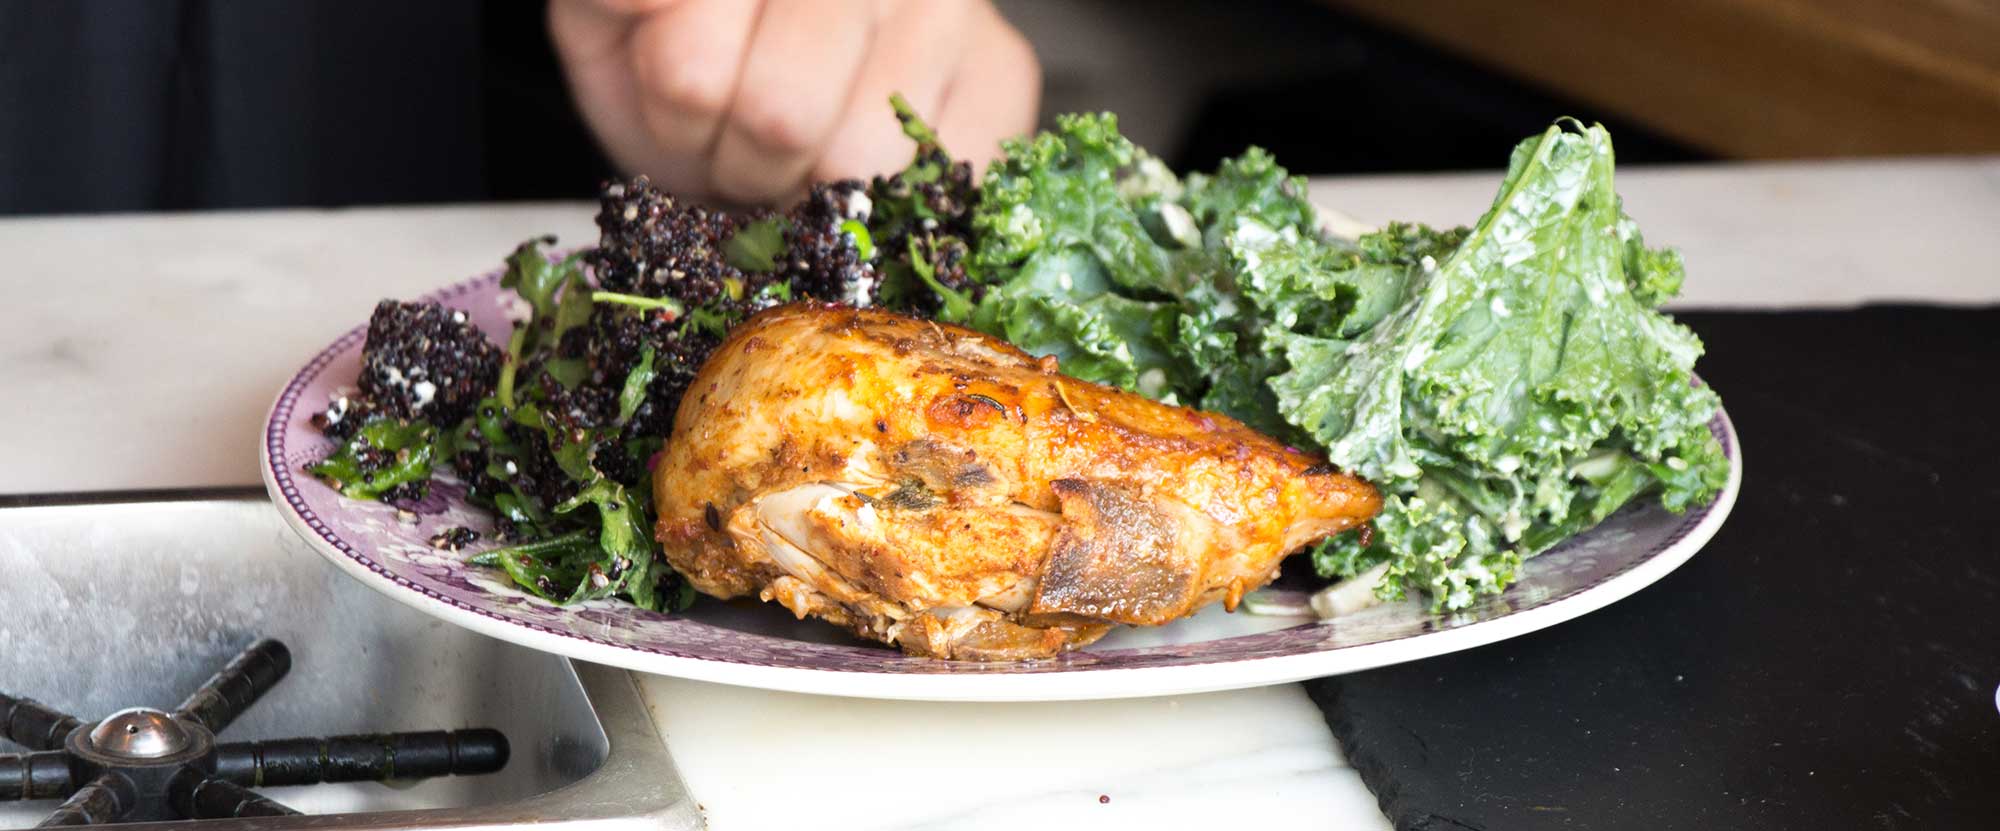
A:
750	101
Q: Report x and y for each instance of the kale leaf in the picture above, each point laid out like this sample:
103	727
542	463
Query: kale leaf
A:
1508	384
1522	388
1088	249
384	454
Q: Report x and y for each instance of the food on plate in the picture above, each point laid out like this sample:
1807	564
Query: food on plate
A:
1504	386
424	363
932	487
1508	384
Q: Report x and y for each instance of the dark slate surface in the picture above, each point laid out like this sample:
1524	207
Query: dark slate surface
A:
1828	661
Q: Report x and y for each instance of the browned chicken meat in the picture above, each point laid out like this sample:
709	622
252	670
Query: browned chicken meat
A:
933	488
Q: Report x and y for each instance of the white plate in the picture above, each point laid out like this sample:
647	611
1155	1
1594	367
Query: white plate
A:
760	645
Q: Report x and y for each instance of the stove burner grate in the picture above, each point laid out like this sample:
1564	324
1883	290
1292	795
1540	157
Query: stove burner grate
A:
142	764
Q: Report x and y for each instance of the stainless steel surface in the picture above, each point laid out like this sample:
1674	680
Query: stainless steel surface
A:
104	606
139	732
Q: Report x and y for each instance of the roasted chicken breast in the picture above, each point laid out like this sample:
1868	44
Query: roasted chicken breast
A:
937	489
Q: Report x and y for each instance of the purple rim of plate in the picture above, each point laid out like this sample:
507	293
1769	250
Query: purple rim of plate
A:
391	548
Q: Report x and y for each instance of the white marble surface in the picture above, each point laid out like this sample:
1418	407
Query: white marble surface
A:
142	352
1246	759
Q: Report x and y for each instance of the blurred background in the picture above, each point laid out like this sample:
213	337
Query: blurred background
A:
457	100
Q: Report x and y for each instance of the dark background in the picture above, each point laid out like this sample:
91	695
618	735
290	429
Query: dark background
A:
129	105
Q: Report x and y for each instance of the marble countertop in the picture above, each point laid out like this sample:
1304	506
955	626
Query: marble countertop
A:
142	352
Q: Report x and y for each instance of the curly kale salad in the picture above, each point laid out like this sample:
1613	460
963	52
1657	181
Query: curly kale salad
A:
1507	384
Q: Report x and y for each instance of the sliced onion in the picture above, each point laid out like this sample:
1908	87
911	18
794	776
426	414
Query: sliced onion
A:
1274	603
1350	595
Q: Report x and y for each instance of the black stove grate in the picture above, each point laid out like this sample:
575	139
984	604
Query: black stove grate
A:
142	764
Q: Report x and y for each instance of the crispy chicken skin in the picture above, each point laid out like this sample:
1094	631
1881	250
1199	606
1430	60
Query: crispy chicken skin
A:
930	487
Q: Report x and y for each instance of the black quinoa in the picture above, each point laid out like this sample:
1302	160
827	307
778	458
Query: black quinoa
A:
343	416
820	260
454	538
939	230
425	361
653	245
407	494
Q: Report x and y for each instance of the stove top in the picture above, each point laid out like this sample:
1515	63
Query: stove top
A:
145	764
110	604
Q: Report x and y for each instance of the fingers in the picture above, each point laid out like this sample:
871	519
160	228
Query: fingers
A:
802	63
687	60
995	93
591	43
627	8
913	52
588	29
751	101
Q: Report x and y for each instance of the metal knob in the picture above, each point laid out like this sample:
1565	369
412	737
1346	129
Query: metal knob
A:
140	733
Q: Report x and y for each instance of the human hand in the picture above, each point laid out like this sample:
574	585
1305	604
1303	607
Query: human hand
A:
753	100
